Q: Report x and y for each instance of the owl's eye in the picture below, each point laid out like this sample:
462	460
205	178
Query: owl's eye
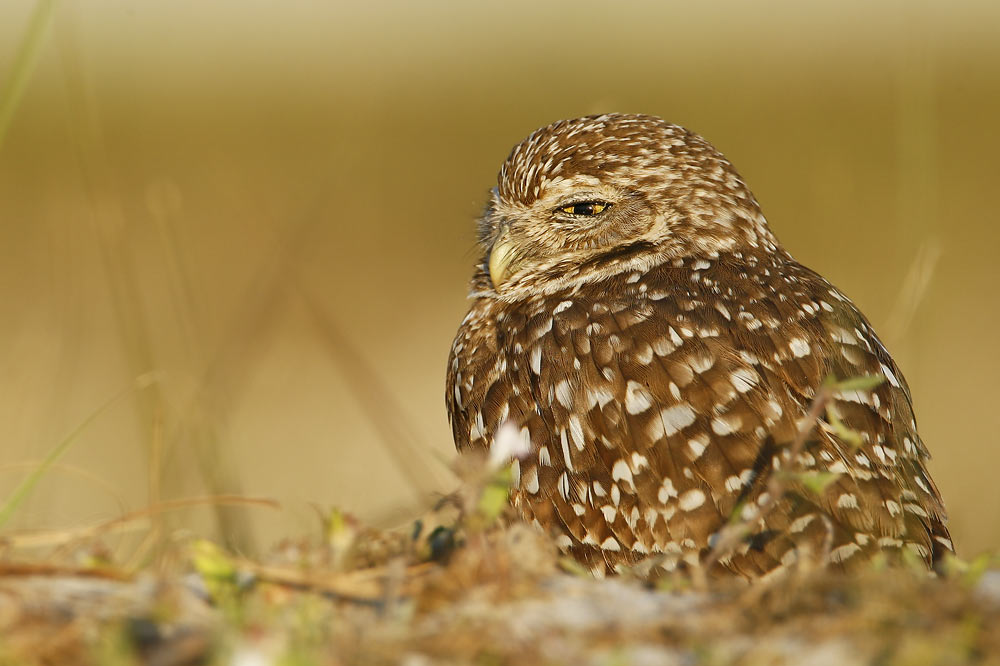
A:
585	208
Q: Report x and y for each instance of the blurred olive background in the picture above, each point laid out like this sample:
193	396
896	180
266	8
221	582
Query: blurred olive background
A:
267	210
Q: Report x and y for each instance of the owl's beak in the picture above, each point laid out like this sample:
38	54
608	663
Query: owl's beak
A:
501	256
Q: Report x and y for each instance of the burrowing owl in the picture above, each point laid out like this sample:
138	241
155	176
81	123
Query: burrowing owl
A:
641	328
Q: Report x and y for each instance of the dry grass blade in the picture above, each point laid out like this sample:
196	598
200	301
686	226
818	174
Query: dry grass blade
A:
49	569
377	401
914	289
24	489
128	521
360	586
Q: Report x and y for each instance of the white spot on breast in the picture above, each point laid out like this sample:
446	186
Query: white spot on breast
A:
543	329
742	379
562	307
637	398
576	431
751	322
801	523
563	393
564	443
888	375
859	397
837	467
543	456
536	359
478	428
674	338
600	395
691	500
644	354
701	362
847	501
610	544
676	418
843	336
664	346
841	553
733	483
726	424
723	310
700	265
639	463
632	518
610	513
666	491
799	347
621	472
698	445
651	515
529	480
564	486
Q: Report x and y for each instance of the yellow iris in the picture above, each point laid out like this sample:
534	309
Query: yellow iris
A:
586	208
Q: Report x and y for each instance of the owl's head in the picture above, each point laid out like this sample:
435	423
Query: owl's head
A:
583	199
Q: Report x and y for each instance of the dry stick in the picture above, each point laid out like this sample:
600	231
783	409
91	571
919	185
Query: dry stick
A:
13	569
913	290
364	585
777	484
61	537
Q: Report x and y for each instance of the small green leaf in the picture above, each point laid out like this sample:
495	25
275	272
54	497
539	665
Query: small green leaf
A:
572	566
861	383
847	435
815	482
211	563
493	499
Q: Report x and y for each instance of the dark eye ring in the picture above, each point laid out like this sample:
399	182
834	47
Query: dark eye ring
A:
585	208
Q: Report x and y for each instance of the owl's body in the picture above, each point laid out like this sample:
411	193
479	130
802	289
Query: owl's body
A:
641	329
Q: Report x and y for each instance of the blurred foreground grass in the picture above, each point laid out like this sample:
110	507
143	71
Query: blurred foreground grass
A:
468	591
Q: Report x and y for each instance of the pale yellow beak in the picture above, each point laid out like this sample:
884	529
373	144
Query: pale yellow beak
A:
501	257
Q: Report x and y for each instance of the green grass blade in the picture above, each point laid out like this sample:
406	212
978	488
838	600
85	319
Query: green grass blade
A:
24	64
24	489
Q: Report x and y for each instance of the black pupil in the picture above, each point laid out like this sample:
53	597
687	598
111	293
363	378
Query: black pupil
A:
585	208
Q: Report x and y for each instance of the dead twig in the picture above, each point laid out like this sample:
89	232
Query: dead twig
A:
777	484
362	586
125	522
